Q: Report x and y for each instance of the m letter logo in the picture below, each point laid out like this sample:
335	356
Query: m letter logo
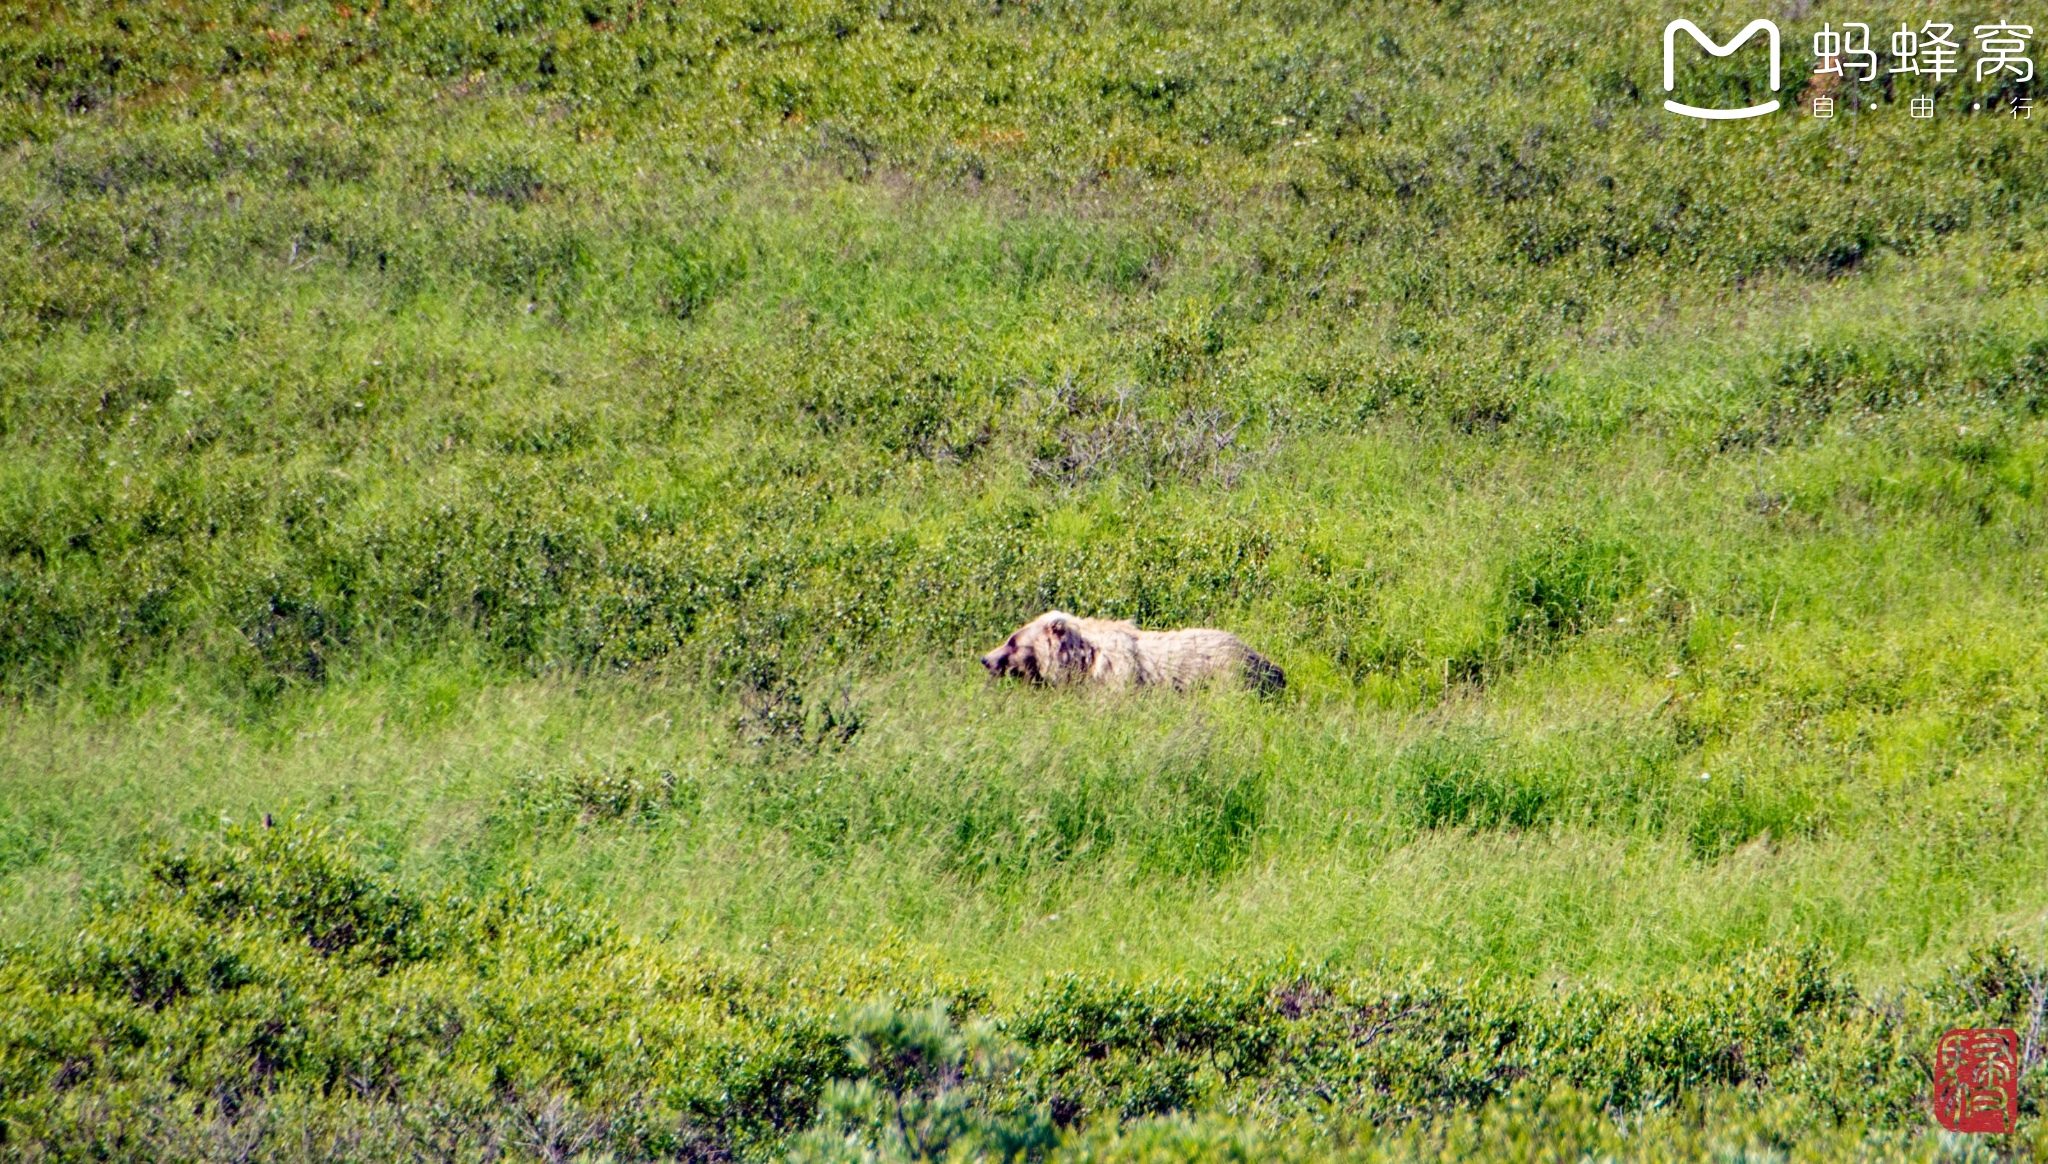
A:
1741	38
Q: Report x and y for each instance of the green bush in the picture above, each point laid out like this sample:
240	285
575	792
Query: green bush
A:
927	1090
1453	782
214	998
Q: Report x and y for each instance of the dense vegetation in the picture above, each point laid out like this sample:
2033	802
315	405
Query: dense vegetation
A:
267	996
558	462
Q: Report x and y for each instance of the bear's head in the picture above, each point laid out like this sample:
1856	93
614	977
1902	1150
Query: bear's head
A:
1051	648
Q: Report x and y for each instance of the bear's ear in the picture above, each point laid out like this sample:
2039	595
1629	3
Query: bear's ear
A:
1071	646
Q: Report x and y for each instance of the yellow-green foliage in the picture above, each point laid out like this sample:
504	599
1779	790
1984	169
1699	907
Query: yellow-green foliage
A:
597	336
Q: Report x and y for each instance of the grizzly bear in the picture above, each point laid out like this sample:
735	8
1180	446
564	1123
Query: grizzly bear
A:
1057	648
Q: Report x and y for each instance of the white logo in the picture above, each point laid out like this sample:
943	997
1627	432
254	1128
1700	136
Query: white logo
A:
1742	38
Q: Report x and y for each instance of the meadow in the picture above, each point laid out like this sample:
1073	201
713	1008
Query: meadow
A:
500	501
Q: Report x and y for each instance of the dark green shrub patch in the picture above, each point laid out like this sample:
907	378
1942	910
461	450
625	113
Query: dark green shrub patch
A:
501	1009
587	793
1565	584
1455	782
1278	1040
266	986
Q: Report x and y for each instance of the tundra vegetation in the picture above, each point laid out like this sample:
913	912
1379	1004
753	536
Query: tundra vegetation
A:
500	501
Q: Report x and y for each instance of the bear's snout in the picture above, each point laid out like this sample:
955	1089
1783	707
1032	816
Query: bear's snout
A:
994	660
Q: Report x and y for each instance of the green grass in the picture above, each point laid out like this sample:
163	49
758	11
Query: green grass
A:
592	443
1022	833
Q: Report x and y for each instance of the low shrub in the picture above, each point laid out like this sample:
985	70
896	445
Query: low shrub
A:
268	991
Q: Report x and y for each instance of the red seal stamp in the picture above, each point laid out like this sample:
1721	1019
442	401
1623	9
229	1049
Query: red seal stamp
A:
1977	1080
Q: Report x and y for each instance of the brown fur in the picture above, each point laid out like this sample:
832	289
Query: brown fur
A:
1057	648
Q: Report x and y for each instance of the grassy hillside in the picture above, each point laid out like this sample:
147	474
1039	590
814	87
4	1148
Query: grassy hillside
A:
558	463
